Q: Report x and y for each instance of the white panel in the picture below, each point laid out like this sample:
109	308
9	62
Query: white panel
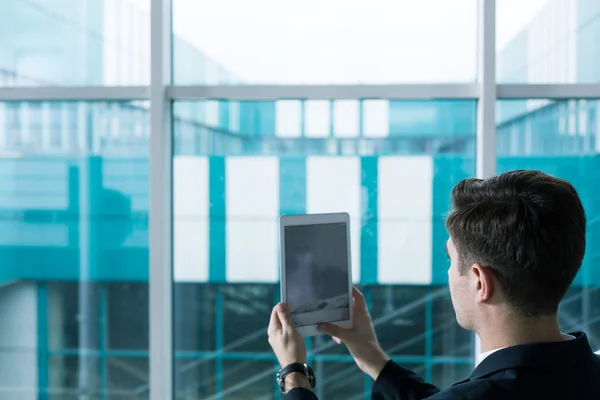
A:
234	116
317	118
376	118
18	336
333	184
3	135
25	123
346	118
212	113
190	218
288	118
252	199
405	218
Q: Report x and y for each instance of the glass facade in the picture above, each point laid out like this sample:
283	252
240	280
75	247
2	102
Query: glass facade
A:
74	42
249	169
560	138
74	243
557	45
332	42
75	178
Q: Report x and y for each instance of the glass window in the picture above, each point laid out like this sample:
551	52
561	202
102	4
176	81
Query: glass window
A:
196	378
65	374
230	186
127	377
569	155
127	320
74	248
547	41
341	380
316	42
74	42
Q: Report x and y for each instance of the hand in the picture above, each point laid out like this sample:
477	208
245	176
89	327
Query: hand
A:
361	339
286	342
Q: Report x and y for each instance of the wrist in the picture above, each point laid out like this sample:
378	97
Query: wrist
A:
296	380
375	363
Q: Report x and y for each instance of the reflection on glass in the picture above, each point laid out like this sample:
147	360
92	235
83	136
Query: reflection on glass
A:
389	164
82	42
74	248
561	139
547	41
315	42
300	128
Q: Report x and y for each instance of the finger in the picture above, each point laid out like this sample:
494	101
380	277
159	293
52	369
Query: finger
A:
337	339
358	297
274	323
333	330
284	316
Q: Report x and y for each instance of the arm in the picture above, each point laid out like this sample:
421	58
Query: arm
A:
298	388
300	394
399	383
289	348
392	381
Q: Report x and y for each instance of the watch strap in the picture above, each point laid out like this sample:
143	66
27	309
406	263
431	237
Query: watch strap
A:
295	367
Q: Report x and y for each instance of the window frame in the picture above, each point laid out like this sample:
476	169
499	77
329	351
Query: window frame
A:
161	94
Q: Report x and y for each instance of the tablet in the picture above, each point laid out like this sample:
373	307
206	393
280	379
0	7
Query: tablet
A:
316	271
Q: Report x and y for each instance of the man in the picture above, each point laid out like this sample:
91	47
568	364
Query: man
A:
516	243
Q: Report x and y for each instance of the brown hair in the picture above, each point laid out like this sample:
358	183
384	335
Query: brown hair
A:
528	227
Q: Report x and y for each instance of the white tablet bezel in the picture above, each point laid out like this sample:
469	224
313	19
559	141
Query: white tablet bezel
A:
315	219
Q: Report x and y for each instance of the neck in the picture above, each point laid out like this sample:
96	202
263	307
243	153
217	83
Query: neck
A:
511	331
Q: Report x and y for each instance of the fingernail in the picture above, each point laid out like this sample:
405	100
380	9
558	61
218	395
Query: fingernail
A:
282	306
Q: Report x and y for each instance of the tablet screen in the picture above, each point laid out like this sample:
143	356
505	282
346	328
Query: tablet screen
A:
316	261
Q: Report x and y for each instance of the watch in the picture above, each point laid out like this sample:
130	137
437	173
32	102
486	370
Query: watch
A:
295	367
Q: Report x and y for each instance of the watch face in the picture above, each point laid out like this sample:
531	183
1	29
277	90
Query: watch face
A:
281	385
280	382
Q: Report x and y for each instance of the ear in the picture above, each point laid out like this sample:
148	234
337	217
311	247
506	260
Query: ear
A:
483	282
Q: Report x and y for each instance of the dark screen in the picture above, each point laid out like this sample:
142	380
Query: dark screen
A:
316	259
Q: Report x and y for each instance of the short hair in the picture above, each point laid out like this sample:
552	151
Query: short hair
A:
528	227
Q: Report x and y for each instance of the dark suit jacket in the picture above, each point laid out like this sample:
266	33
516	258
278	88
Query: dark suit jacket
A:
565	370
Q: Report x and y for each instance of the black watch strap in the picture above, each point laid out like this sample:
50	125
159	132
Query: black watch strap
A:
295	367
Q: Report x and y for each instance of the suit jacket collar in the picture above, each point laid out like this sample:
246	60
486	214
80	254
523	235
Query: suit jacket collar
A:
537	355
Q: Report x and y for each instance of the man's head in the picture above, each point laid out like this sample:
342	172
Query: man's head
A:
516	242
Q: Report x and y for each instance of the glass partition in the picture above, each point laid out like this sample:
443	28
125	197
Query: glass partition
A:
239	165
315	42
74	248
74	42
561	139
547	41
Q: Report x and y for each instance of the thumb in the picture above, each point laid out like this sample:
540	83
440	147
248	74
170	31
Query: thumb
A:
339	334
284	316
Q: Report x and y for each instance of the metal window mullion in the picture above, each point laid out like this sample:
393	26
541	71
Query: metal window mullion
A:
74	93
486	106
427	91
325	92
160	216
560	91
